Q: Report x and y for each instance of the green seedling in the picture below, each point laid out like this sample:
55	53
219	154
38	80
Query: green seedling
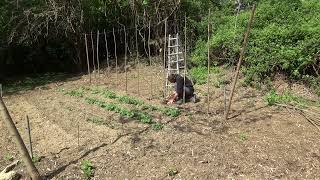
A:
36	158
173	172
129	100
243	137
157	126
76	93
96	120
87	168
8	157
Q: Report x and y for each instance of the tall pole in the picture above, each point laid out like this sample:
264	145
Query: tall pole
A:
115	54
244	46
208	83
150	59
125	58
29	135
106	41
98	54
137	57
32	170
164	58
88	63
185	57
93	59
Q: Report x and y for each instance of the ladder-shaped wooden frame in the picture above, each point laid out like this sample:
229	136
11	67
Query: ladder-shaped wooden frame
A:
175	63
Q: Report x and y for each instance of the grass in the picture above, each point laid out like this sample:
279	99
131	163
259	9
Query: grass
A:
287	97
87	168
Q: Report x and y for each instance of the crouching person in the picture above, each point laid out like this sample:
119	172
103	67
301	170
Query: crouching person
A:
181	85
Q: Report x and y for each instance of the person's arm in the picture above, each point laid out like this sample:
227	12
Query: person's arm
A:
173	98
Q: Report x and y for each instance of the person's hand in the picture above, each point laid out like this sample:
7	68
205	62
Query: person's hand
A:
170	101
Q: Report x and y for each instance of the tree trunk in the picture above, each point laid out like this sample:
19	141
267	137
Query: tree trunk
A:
32	170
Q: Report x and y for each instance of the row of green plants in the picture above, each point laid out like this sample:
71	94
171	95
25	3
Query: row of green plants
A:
168	111
135	113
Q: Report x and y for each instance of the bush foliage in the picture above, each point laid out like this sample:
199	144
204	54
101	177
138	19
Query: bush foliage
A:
285	38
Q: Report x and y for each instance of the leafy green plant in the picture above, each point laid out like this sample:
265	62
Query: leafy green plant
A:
129	100
87	168
76	93
287	97
157	126
172	112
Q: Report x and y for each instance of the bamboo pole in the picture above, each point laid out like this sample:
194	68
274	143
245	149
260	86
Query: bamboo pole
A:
1	90
245	42
98	54
106	41
137	57
93	59
164	59
88	63
32	170
150	59
115	54
208	80
185	57
125	58
225	98
29	135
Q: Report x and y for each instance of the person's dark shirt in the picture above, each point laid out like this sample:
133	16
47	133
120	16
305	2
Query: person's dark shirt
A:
179	84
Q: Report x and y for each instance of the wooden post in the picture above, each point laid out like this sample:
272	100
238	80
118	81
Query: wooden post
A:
164	59
185	57
244	45
225	98
137	58
29	135
32	170
93	59
98	54
1	90
79	135
125	58
115	54
208	83
150	60
106	41
88	63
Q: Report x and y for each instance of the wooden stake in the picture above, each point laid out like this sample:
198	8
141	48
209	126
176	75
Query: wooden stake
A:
245	42
208	83
225	98
164	59
98	54
29	135
32	170
150	59
137	58
88	63
79	135
106	41
115	54
93	59
1	90
125	58
185	57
